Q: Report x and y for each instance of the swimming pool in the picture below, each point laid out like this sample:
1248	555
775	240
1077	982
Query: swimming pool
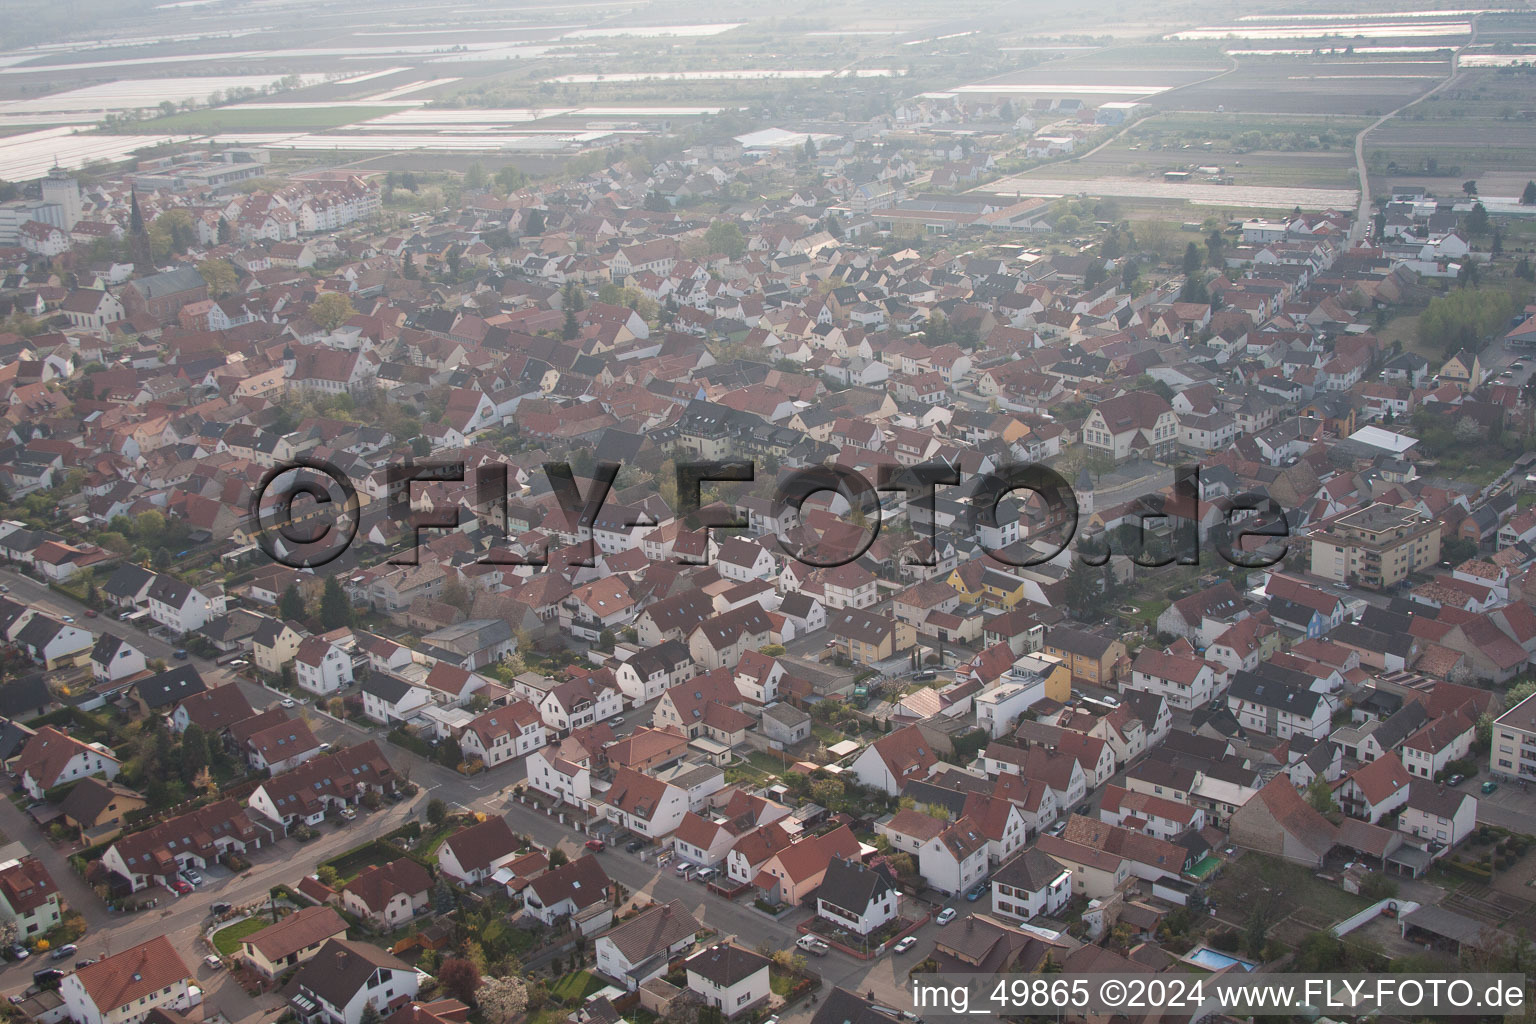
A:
1214	960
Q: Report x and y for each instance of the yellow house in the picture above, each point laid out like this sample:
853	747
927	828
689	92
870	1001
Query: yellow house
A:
864	637
1463	369
1001	589
275	644
966	579
1091	657
292	940
1054	670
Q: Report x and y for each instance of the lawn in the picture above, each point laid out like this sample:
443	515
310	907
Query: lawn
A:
764	761
224	119
227	940
575	987
1291	888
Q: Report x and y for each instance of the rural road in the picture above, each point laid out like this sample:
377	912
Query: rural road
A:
1363	214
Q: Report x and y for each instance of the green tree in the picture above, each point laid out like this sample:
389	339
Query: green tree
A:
1465	318
194	752
571	329
475	178
1320	796
533	224
510	179
725	237
1477	221
1192	260
1528	196
291	604
408	268
335	606
437	811
1084	590
1519	692
331	310
148	526
557	857
219	276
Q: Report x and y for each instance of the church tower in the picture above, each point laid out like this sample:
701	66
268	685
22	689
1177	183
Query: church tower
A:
138	238
1082	490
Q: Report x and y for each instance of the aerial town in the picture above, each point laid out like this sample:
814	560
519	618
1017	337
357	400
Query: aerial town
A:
553	731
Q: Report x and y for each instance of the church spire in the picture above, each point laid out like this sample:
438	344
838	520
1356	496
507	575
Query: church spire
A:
138	237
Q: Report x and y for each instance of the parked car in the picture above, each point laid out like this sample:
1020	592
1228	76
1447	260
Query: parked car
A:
212	962
67	618
811	944
1490	786
83	963
348	813
1455	780
180	887
181	652
945	916
286	702
976	892
704	874
925	675
90	613
685	871
48	976
64	952
1113	702
20	952
191	875
633	845
221	908
4	589
324	747
905	944
596	844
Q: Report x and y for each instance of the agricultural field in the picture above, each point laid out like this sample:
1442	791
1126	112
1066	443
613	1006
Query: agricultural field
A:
1309	152
268	118
1339	84
1483	128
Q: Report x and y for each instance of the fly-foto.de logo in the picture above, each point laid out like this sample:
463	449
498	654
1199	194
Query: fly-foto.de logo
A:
306	513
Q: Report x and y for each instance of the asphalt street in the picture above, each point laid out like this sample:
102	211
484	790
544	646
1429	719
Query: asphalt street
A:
183	918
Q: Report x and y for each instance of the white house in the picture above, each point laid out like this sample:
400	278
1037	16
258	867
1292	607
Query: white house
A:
339	983
1438	814
387	698
322	667
562	771
1030	885
955	859
1187	682
52	758
644	947
731	979
894	760
125	987
471	855
504	734
856	898
579	702
113	658
579	890
646	806
182	607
